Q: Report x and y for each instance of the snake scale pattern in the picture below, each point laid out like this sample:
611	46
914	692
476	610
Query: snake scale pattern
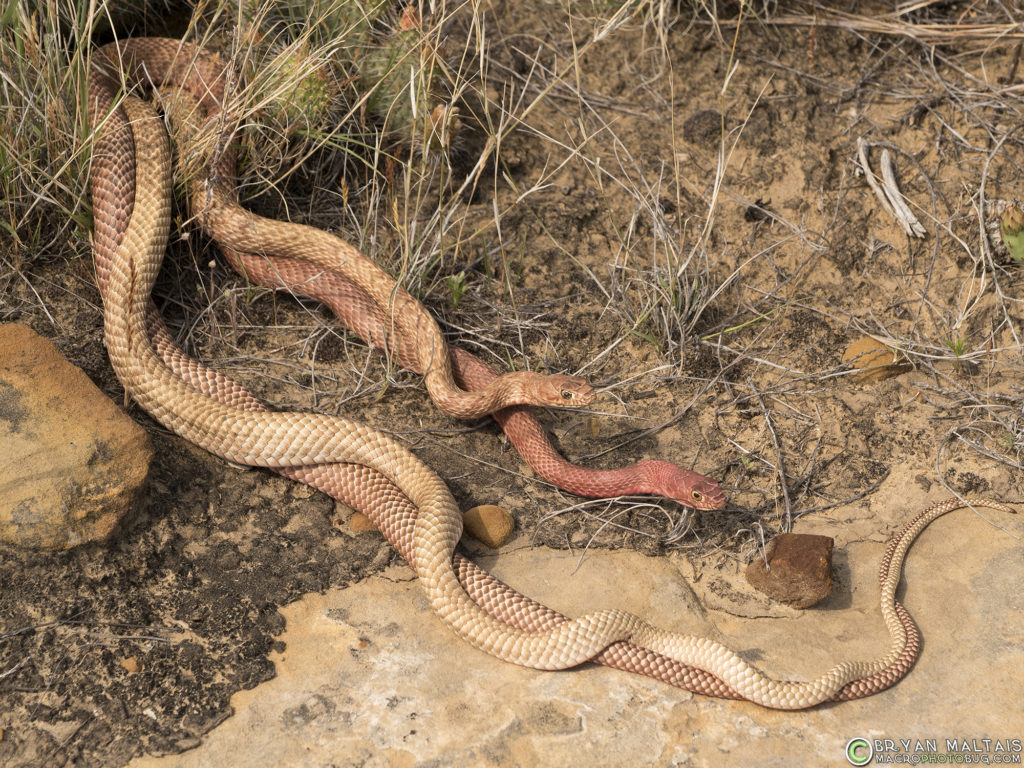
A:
131	191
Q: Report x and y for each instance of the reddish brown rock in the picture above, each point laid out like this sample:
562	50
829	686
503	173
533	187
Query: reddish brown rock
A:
72	464
799	569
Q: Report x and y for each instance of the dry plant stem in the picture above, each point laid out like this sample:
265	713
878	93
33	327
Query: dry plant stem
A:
888	24
983	239
889	195
906	218
780	469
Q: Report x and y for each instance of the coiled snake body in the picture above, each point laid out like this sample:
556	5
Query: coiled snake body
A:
132	219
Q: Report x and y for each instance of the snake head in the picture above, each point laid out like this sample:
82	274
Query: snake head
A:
566	391
683	486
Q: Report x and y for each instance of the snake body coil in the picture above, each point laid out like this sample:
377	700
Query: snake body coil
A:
412	504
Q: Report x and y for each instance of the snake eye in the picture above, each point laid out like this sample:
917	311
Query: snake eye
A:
697	495
566	394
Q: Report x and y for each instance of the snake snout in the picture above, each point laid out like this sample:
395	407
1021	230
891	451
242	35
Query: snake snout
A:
707	496
573	391
688	488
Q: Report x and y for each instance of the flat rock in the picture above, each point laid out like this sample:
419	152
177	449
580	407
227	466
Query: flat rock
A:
370	677
72	464
798	572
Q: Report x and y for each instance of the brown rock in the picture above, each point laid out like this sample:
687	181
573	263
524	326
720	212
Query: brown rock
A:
873	361
799	569
360	523
488	524
71	463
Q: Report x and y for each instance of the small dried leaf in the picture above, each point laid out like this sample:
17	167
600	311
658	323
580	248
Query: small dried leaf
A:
873	361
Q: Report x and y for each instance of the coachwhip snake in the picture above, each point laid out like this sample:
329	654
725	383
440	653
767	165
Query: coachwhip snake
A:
132	220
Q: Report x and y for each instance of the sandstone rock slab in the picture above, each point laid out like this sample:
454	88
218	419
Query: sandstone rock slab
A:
369	677
72	464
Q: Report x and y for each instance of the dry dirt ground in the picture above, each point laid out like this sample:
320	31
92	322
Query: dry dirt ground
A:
136	646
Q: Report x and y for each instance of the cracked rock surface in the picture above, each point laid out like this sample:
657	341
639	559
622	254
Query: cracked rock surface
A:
369	676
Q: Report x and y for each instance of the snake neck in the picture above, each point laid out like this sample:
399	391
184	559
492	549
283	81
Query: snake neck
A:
645	478
511	389
631	480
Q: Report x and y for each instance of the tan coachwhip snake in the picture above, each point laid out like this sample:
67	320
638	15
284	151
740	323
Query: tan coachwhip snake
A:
302	444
